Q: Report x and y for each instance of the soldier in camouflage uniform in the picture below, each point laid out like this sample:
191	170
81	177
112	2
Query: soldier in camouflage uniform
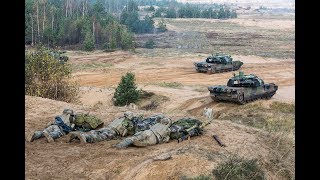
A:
62	125
122	126
145	124
157	134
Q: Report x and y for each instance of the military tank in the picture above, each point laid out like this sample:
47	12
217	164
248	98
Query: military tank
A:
217	64
242	89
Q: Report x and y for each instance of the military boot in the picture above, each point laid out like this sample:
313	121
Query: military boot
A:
72	136
33	136
82	138
47	135
77	135
124	144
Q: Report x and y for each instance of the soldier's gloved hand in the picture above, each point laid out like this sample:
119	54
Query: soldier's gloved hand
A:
72	126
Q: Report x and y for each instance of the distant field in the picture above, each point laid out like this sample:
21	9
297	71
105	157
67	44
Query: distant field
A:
266	36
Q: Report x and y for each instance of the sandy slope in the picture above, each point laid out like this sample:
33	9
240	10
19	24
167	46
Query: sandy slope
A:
101	161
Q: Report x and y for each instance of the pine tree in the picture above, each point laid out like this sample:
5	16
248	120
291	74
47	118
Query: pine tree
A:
126	92
88	42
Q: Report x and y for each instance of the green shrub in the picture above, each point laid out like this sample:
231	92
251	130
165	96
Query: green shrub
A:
171	84
88	42
126	92
46	77
237	169
150	44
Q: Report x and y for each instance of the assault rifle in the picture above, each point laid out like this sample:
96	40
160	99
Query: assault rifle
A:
215	137
187	136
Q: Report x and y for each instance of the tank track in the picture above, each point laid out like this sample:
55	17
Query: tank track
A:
247	100
223	70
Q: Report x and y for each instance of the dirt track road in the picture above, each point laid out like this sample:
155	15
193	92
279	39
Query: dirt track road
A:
151	72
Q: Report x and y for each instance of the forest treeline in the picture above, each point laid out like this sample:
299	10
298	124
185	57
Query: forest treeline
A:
70	22
106	24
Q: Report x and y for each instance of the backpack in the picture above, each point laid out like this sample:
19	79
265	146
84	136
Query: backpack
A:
86	122
179	128
145	124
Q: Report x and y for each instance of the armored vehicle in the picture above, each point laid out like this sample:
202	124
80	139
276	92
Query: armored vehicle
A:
59	55
242	89
218	63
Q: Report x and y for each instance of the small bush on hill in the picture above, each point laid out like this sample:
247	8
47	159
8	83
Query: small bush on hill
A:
46	77
126	92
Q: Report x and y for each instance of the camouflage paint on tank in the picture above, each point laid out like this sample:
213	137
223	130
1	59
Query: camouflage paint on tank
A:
242	89
217	64
59	55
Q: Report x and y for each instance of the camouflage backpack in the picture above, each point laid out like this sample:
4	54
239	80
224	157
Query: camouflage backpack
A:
179	128
144	124
86	122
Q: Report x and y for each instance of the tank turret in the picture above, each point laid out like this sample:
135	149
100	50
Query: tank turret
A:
243	88
217	63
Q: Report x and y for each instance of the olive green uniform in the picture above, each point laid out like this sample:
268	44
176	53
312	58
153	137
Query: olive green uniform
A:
157	134
122	126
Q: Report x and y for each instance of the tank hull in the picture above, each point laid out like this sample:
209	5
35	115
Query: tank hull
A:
242	95
217	68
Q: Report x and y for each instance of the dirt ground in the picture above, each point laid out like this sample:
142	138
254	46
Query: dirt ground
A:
99	73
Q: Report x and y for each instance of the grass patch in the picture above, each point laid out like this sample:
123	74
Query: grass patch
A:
201	89
79	67
273	117
150	63
201	177
175	85
281	157
282	107
97	105
150	100
236	168
278	119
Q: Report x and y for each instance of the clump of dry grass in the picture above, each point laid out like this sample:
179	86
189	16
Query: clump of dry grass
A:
278	121
239	168
280	159
175	85
282	107
86	66
150	100
273	117
201	89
